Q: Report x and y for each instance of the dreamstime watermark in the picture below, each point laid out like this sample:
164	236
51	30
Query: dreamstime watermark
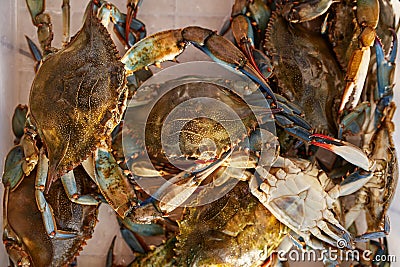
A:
338	254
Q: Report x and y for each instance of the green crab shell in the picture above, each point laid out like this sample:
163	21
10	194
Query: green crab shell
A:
78	96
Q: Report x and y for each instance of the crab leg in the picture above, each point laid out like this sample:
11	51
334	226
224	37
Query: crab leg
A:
112	182
367	18
69	183
222	51
132	9
385	70
307	10
242	31
172	196
66	9
128	30
377	234
43	206
289	118
35	52
43	23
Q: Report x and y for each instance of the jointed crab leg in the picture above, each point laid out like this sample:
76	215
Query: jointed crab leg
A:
66	10
113	183
132	9
35	52
368	116
367	18
43	22
385	70
242	31
216	47
44	207
129	30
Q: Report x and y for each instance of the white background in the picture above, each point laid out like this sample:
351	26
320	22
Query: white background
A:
16	74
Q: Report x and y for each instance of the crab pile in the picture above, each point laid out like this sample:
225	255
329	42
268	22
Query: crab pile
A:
306	159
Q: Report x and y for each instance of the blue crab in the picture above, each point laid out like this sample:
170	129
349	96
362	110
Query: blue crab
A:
89	100
231	161
24	233
367	16
62	160
371	126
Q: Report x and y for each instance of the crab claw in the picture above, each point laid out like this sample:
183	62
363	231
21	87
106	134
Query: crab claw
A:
128	29
356	75
176	191
347	151
354	182
132	9
225	53
385	71
377	234
243	33
306	10
148	52
35	52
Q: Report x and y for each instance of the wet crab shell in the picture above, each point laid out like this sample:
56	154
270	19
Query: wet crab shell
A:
78	96
26	221
305	70
236	230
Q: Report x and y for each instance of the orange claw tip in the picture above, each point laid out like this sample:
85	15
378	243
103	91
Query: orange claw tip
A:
347	151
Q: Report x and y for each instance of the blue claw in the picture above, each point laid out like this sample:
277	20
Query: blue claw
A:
143	229
355	120
368	236
385	70
13	173
137	31
225	53
354	182
35	52
347	151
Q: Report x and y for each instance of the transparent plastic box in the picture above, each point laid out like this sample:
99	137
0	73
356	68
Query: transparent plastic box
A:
16	75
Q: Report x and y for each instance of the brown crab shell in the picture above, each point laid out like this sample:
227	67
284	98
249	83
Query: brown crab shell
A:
305	69
78	96
26	220
236	230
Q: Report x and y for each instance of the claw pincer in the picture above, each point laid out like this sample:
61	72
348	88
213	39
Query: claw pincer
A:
385	70
367	18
